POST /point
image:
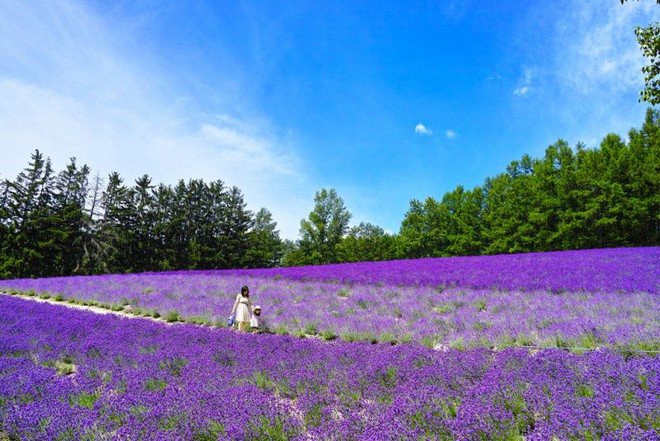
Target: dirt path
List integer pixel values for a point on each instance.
(124, 313)
(95, 309)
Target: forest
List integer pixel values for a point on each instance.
(71, 222)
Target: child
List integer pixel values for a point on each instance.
(257, 324)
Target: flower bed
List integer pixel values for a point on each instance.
(68, 374)
(458, 317)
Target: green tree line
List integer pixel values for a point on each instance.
(568, 199)
(65, 223)
(55, 224)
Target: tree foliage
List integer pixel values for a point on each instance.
(568, 199)
(324, 228)
(649, 42)
(58, 224)
(365, 243)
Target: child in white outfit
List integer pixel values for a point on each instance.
(257, 324)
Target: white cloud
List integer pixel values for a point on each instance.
(521, 91)
(421, 129)
(593, 69)
(450, 134)
(525, 82)
(68, 89)
(602, 50)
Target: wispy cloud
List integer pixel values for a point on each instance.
(69, 88)
(594, 66)
(521, 91)
(525, 82)
(450, 134)
(602, 51)
(421, 129)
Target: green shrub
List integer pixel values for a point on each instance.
(480, 305)
(173, 316)
(328, 334)
(311, 328)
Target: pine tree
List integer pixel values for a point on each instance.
(29, 218)
(265, 246)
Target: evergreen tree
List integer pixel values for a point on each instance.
(265, 245)
(28, 243)
(71, 187)
(235, 231)
(642, 215)
(420, 236)
(97, 244)
(117, 223)
(142, 245)
(164, 254)
(5, 230)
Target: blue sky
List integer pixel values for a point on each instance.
(385, 101)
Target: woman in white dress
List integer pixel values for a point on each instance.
(242, 308)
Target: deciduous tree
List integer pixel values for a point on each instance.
(324, 228)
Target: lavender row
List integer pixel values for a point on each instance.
(67, 374)
(612, 270)
(628, 270)
(454, 317)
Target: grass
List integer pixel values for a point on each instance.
(173, 316)
(480, 305)
(84, 399)
(155, 384)
(328, 334)
(311, 328)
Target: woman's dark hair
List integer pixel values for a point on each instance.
(245, 291)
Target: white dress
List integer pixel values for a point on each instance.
(243, 309)
(255, 322)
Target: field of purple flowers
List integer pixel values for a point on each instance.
(584, 299)
(68, 374)
(614, 269)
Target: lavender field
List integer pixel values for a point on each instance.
(579, 299)
(67, 374)
(614, 269)
(472, 369)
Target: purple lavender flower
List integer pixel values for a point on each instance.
(71, 374)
